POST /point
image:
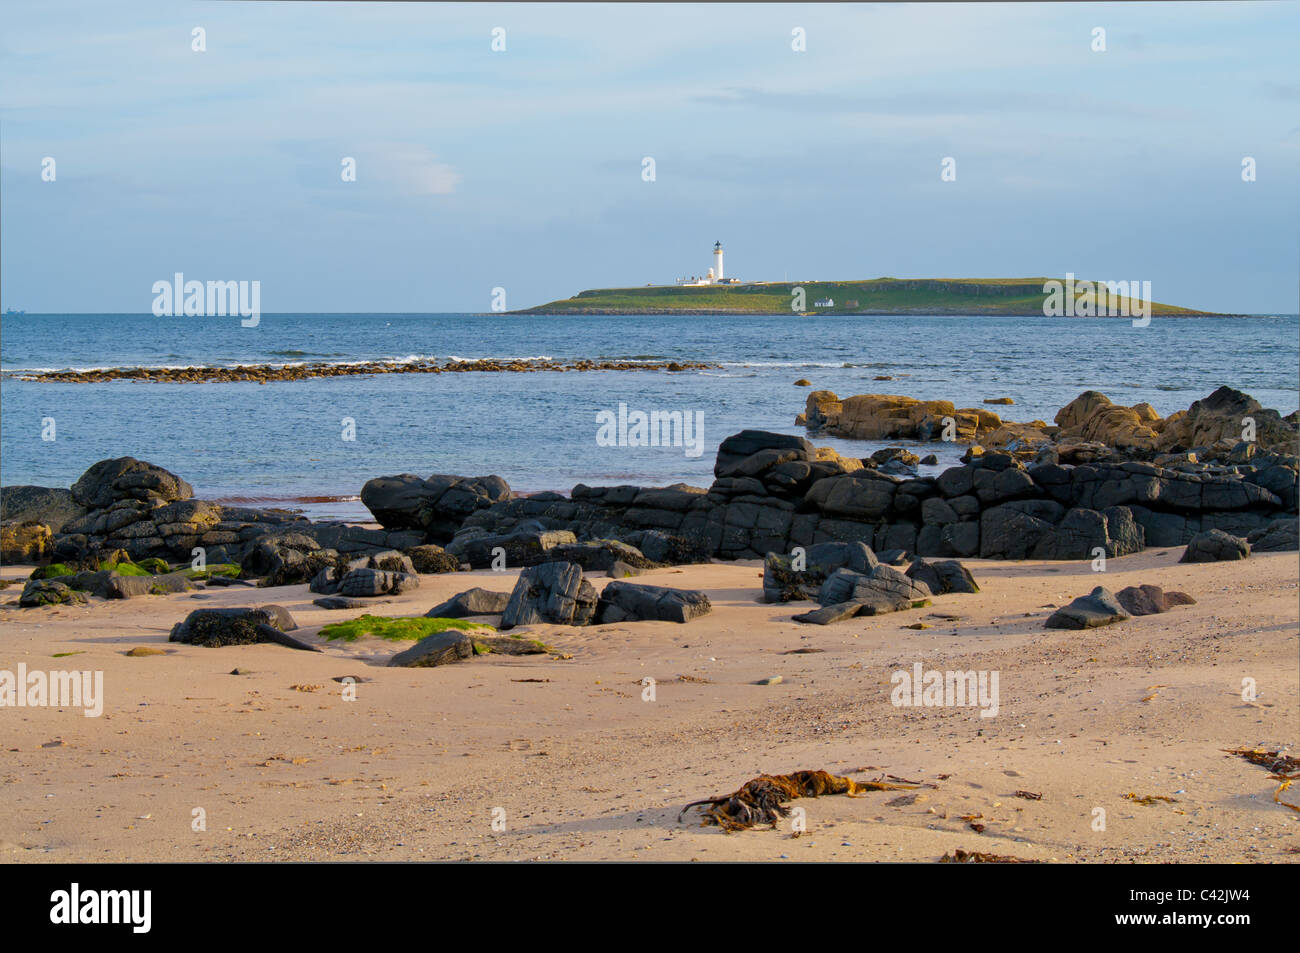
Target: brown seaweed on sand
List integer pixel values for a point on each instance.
(960, 856)
(763, 800)
(1280, 767)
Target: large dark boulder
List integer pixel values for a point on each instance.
(53, 506)
(736, 449)
(1215, 546)
(1099, 607)
(437, 506)
(1279, 536)
(943, 576)
(554, 593)
(476, 601)
(125, 478)
(632, 602)
(214, 628)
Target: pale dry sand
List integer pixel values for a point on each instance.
(585, 769)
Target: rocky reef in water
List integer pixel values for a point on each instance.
(1225, 422)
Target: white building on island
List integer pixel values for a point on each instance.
(714, 275)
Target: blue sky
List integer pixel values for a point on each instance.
(522, 169)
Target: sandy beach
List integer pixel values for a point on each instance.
(284, 768)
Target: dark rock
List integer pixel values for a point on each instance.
(391, 561)
(943, 576)
(376, 582)
(828, 614)
(108, 584)
(48, 592)
(554, 593)
(845, 585)
(430, 559)
(438, 505)
(1278, 536)
(441, 648)
(1215, 546)
(734, 450)
(1149, 600)
(783, 583)
(596, 555)
(521, 549)
(471, 602)
(893, 557)
(52, 506)
(633, 602)
(341, 602)
(109, 481)
(213, 628)
(1100, 607)
(1005, 533)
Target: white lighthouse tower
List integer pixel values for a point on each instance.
(717, 261)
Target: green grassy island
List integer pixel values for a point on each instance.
(932, 296)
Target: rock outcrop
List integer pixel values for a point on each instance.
(771, 493)
(50, 505)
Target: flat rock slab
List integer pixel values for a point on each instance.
(344, 602)
(442, 648)
(1099, 607)
(828, 614)
(476, 601)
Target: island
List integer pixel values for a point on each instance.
(883, 296)
(713, 293)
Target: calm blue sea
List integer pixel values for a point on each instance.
(282, 442)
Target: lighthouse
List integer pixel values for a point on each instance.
(717, 261)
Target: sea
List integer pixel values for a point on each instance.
(286, 443)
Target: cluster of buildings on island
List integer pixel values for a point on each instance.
(716, 276)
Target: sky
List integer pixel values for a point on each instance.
(522, 168)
